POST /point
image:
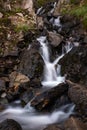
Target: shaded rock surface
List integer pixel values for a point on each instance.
(78, 95)
(10, 124)
(74, 65)
(33, 66)
(48, 98)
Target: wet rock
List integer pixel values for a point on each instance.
(63, 100)
(53, 127)
(74, 124)
(78, 95)
(47, 98)
(74, 65)
(27, 96)
(33, 66)
(55, 39)
(10, 124)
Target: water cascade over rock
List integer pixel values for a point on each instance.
(44, 73)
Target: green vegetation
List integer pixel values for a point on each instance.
(79, 10)
(25, 28)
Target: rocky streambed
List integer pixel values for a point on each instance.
(43, 76)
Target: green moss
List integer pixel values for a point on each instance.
(79, 11)
(24, 28)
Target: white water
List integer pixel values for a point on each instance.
(30, 120)
(52, 75)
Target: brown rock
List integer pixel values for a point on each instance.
(75, 124)
(16, 79)
(40, 22)
(52, 127)
(55, 39)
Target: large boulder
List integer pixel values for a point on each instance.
(18, 83)
(78, 95)
(54, 38)
(74, 65)
(48, 98)
(10, 124)
(32, 63)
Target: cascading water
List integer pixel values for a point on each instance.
(32, 120)
(52, 75)
(28, 117)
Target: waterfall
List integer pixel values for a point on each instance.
(28, 117)
(52, 75)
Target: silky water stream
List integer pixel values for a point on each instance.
(28, 117)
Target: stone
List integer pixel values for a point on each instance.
(10, 124)
(78, 94)
(1, 15)
(55, 39)
(33, 66)
(16, 79)
(40, 23)
(53, 127)
(74, 124)
(48, 98)
(74, 65)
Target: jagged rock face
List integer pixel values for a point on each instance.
(74, 65)
(10, 124)
(33, 66)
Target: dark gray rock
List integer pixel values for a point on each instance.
(78, 95)
(74, 65)
(31, 63)
(10, 124)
